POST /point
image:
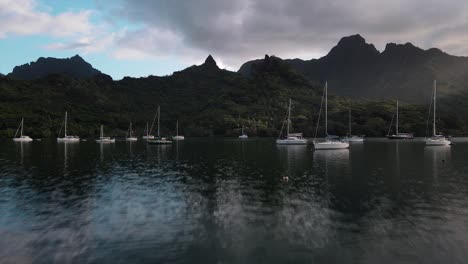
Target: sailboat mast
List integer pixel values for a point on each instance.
(397, 117)
(289, 117)
(65, 124)
(159, 114)
(177, 128)
(22, 125)
(435, 97)
(349, 121)
(147, 129)
(326, 108)
(242, 129)
(102, 131)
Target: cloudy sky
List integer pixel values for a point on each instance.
(139, 38)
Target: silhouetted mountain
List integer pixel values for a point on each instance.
(74, 67)
(357, 69)
(205, 99)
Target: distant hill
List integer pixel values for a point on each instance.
(205, 99)
(357, 69)
(74, 67)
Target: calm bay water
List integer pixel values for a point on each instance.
(229, 201)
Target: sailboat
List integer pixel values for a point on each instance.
(398, 135)
(351, 137)
(291, 138)
(129, 136)
(21, 137)
(159, 140)
(436, 140)
(149, 130)
(103, 139)
(67, 138)
(177, 136)
(243, 135)
(331, 142)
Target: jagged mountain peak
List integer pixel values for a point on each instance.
(209, 61)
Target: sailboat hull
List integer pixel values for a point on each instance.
(355, 139)
(23, 139)
(401, 136)
(159, 141)
(331, 145)
(291, 141)
(68, 139)
(131, 139)
(438, 142)
(178, 138)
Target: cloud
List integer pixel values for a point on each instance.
(23, 17)
(245, 29)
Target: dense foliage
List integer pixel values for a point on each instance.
(205, 99)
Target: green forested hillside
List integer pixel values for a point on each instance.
(205, 99)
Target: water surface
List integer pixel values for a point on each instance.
(230, 201)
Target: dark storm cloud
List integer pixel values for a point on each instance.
(244, 29)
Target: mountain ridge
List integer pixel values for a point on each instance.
(75, 67)
(358, 70)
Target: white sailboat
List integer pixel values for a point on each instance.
(243, 135)
(177, 136)
(149, 130)
(129, 136)
(291, 138)
(397, 134)
(353, 138)
(67, 138)
(103, 139)
(436, 140)
(159, 140)
(21, 137)
(331, 142)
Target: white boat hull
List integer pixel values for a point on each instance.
(243, 137)
(23, 139)
(131, 139)
(438, 142)
(148, 137)
(331, 145)
(355, 139)
(107, 140)
(178, 138)
(291, 141)
(159, 141)
(68, 139)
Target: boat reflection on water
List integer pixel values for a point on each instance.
(436, 158)
(24, 150)
(293, 160)
(68, 149)
(333, 159)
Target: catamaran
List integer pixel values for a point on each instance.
(291, 138)
(177, 136)
(103, 139)
(351, 137)
(67, 138)
(243, 135)
(149, 130)
(129, 136)
(159, 140)
(331, 142)
(21, 137)
(436, 140)
(397, 134)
